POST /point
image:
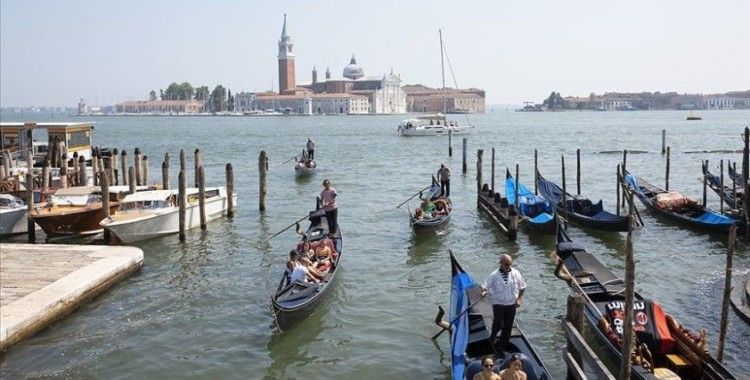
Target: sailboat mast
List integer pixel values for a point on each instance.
(442, 70)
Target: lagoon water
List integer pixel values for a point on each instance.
(201, 308)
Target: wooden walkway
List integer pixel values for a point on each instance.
(41, 283)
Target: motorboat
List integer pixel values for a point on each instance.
(431, 125)
(150, 214)
(12, 215)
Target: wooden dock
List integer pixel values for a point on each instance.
(41, 283)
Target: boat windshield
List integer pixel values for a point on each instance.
(75, 200)
(8, 202)
(143, 205)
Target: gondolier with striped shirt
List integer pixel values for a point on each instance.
(330, 205)
(505, 286)
(444, 176)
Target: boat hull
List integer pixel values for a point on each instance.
(302, 170)
(13, 221)
(615, 225)
(167, 222)
(76, 221)
(430, 225)
(433, 130)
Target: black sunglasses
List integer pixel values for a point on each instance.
(489, 365)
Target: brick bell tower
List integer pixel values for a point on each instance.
(287, 82)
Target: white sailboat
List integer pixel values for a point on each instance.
(437, 124)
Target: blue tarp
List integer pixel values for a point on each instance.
(530, 205)
(461, 282)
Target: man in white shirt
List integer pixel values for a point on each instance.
(505, 287)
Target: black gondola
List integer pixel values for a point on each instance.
(688, 212)
(581, 211)
(663, 347)
(736, 177)
(471, 319)
(437, 219)
(731, 198)
(293, 302)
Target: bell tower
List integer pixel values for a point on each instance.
(287, 82)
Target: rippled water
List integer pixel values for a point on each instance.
(201, 308)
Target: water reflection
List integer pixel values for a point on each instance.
(423, 246)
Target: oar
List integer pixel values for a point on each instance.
(285, 228)
(459, 316)
(293, 158)
(410, 198)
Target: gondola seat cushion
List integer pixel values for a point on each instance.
(472, 369)
(568, 247)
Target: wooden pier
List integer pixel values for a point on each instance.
(40, 284)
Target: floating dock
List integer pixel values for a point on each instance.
(41, 283)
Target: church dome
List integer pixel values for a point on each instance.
(352, 70)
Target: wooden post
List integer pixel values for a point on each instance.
(262, 169)
(144, 161)
(138, 157)
(198, 163)
(165, 172)
(493, 168)
(230, 190)
(663, 141)
(666, 175)
(113, 168)
(734, 186)
(82, 171)
(627, 346)
(95, 169)
(104, 181)
(564, 191)
(131, 180)
(75, 181)
(480, 153)
(463, 165)
(721, 181)
(30, 205)
(578, 171)
(124, 167)
(618, 188)
(704, 167)
(450, 143)
(183, 160)
(745, 187)
(727, 291)
(576, 317)
(64, 170)
(536, 170)
(45, 176)
(182, 200)
(202, 196)
(5, 168)
(515, 190)
(624, 167)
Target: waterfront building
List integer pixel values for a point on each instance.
(728, 101)
(243, 101)
(421, 98)
(160, 106)
(287, 82)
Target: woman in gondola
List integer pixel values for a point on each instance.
(488, 370)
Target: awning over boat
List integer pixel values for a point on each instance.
(152, 195)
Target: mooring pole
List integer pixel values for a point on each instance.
(704, 167)
(721, 180)
(230, 190)
(627, 347)
(113, 167)
(564, 191)
(144, 161)
(138, 166)
(202, 195)
(624, 168)
(666, 175)
(493, 168)
(262, 170)
(165, 172)
(463, 165)
(578, 171)
(45, 176)
(515, 189)
(198, 163)
(30, 206)
(536, 170)
(480, 152)
(734, 186)
(131, 180)
(183, 160)
(182, 200)
(745, 187)
(104, 181)
(124, 167)
(450, 143)
(663, 141)
(95, 169)
(618, 189)
(727, 290)
(82, 171)
(64, 171)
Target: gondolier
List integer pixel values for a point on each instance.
(505, 286)
(444, 176)
(330, 205)
(311, 148)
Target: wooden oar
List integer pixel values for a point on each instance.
(411, 197)
(285, 228)
(457, 317)
(293, 158)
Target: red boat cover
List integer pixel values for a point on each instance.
(649, 324)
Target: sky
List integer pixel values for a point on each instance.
(54, 52)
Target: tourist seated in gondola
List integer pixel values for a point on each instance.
(440, 208)
(488, 370)
(312, 274)
(323, 259)
(291, 263)
(428, 207)
(418, 214)
(301, 273)
(305, 248)
(514, 370)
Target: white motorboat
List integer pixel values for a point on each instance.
(12, 215)
(151, 214)
(431, 125)
(303, 168)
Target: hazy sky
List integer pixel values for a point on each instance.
(53, 52)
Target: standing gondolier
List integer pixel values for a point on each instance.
(505, 286)
(311, 148)
(444, 176)
(330, 205)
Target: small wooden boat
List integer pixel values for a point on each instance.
(676, 207)
(664, 348)
(76, 210)
(155, 213)
(736, 177)
(536, 212)
(504, 215)
(470, 326)
(305, 168)
(692, 117)
(436, 219)
(295, 301)
(581, 211)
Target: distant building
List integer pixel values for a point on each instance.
(421, 98)
(286, 63)
(243, 101)
(728, 101)
(160, 106)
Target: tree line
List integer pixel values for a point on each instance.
(218, 100)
